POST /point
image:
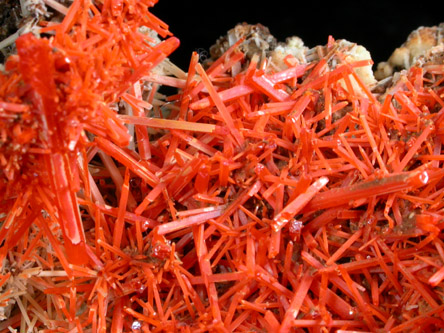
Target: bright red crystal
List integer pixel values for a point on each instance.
(256, 199)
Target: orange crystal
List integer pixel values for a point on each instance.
(264, 199)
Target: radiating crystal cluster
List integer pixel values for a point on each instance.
(280, 190)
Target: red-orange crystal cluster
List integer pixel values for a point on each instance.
(263, 200)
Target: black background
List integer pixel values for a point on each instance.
(379, 26)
